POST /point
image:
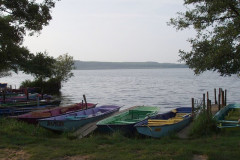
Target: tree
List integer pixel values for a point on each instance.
(16, 18)
(41, 66)
(50, 78)
(62, 68)
(216, 45)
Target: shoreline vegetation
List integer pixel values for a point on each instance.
(94, 65)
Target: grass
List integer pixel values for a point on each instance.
(37, 143)
(204, 125)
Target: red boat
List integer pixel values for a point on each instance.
(33, 117)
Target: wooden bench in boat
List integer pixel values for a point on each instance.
(123, 122)
(159, 122)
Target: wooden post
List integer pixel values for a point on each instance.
(207, 96)
(207, 106)
(210, 107)
(204, 104)
(193, 107)
(219, 105)
(85, 100)
(215, 95)
(225, 97)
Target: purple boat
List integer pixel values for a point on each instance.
(33, 117)
(75, 120)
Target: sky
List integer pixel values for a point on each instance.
(113, 31)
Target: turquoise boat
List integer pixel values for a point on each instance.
(75, 120)
(163, 124)
(125, 121)
(228, 117)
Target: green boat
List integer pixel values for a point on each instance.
(125, 121)
(228, 116)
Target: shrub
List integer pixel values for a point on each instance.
(203, 125)
(51, 86)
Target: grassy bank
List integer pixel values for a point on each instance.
(24, 141)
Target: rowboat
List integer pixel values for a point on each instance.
(125, 121)
(162, 124)
(32, 103)
(228, 116)
(14, 111)
(22, 97)
(73, 121)
(33, 117)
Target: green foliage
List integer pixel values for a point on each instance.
(16, 18)
(216, 45)
(62, 68)
(5, 72)
(203, 125)
(41, 66)
(51, 86)
(50, 77)
(14, 127)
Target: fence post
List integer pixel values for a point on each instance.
(207, 106)
(215, 94)
(210, 107)
(85, 100)
(193, 107)
(225, 97)
(219, 107)
(204, 104)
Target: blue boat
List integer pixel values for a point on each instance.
(75, 120)
(163, 124)
(228, 117)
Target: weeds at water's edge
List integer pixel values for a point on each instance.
(203, 125)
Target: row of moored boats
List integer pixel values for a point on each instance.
(146, 120)
(43, 110)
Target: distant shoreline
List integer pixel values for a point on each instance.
(94, 65)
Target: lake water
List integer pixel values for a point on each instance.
(166, 88)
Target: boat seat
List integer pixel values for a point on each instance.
(76, 117)
(124, 122)
(181, 114)
(159, 122)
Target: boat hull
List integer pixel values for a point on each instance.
(68, 125)
(158, 131)
(13, 111)
(124, 128)
(225, 123)
(33, 117)
(125, 121)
